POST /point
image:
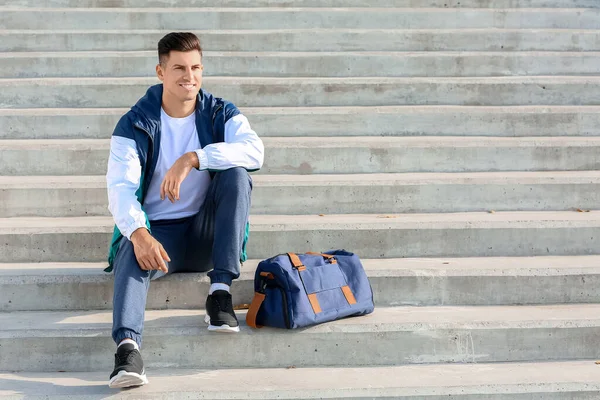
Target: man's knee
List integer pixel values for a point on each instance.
(235, 179)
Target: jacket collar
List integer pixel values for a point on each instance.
(147, 109)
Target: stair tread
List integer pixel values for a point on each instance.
(339, 221)
(431, 267)
(308, 383)
(22, 324)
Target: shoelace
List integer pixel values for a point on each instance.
(227, 305)
(125, 358)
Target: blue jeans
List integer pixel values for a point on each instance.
(210, 240)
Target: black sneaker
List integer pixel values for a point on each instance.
(220, 316)
(129, 368)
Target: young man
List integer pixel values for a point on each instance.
(179, 192)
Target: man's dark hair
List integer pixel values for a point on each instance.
(177, 41)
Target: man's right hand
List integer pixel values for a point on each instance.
(149, 252)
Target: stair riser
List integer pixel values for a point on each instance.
(539, 239)
(316, 65)
(437, 121)
(293, 19)
(311, 3)
(307, 199)
(331, 40)
(325, 160)
(191, 348)
(423, 289)
(295, 93)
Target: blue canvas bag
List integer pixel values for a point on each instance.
(298, 290)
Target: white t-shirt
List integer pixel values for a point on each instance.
(178, 136)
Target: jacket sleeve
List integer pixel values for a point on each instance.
(123, 180)
(242, 148)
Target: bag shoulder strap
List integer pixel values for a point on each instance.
(257, 301)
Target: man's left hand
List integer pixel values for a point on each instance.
(176, 174)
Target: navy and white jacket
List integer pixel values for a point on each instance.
(226, 141)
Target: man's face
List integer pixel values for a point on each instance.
(181, 74)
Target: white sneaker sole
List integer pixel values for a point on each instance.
(222, 328)
(126, 379)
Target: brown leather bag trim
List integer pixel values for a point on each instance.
(257, 301)
(295, 260)
(314, 303)
(349, 295)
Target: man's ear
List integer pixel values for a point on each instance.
(159, 72)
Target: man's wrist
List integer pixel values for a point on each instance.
(192, 159)
(139, 234)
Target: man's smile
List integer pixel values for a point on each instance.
(188, 86)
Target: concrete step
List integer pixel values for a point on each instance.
(310, 155)
(296, 18)
(308, 64)
(85, 239)
(72, 196)
(396, 281)
(294, 92)
(573, 380)
(484, 39)
(80, 341)
(75, 123)
(307, 3)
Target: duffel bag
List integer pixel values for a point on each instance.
(298, 290)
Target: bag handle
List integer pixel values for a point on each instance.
(295, 260)
(327, 257)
